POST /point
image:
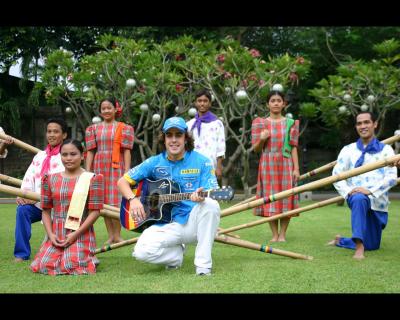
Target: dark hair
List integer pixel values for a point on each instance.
(204, 92)
(109, 99)
(274, 93)
(76, 143)
(372, 115)
(61, 122)
(189, 141)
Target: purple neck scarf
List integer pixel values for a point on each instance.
(374, 146)
(206, 118)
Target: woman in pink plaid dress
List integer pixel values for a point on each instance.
(102, 148)
(279, 165)
(65, 251)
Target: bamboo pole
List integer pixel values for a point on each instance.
(323, 168)
(18, 183)
(244, 201)
(312, 185)
(222, 239)
(228, 233)
(260, 247)
(30, 148)
(107, 211)
(21, 144)
(36, 196)
(10, 180)
(283, 215)
(109, 247)
(287, 214)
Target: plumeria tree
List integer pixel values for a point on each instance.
(358, 86)
(239, 80)
(154, 81)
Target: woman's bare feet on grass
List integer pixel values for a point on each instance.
(118, 240)
(281, 239)
(108, 242)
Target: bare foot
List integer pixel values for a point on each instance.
(109, 241)
(281, 239)
(359, 254)
(274, 239)
(18, 260)
(118, 240)
(335, 241)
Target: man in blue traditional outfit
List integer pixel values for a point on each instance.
(366, 194)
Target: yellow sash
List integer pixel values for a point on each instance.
(78, 201)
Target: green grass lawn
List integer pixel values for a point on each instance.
(235, 270)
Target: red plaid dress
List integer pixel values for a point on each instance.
(79, 257)
(274, 170)
(100, 137)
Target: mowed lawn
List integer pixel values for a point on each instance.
(235, 270)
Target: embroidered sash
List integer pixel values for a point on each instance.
(78, 201)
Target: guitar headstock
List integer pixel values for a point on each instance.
(223, 193)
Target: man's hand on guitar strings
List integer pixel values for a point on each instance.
(195, 196)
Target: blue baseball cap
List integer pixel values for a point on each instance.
(175, 122)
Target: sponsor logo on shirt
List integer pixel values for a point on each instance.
(190, 171)
(162, 171)
(188, 185)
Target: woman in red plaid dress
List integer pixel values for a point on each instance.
(100, 146)
(276, 172)
(65, 251)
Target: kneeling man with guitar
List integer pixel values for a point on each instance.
(193, 220)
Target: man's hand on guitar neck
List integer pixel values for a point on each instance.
(136, 210)
(195, 196)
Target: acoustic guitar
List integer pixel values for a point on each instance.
(158, 198)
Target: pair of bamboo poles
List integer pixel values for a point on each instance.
(113, 212)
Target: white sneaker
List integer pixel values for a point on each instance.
(203, 271)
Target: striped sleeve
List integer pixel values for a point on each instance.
(96, 193)
(257, 126)
(127, 137)
(46, 197)
(90, 138)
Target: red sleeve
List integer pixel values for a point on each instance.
(257, 126)
(46, 197)
(90, 138)
(127, 137)
(96, 193)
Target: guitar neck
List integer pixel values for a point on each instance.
(174, 197)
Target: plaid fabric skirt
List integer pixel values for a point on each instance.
(76, 259)
(275, 175)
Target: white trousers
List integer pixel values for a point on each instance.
(163, 244)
